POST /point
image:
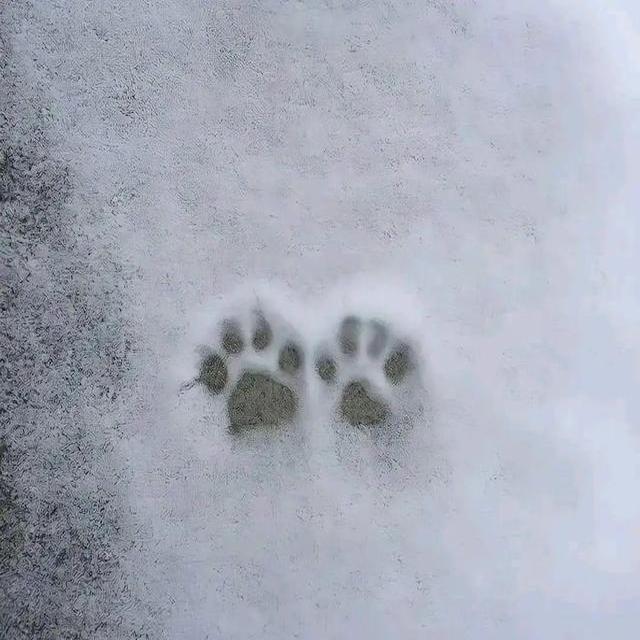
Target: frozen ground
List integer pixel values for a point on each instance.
(465, 171)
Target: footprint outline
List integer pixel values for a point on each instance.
(258, 369)
(365, 366)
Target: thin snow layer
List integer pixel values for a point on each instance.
(464, 170)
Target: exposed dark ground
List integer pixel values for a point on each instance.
(63, 358)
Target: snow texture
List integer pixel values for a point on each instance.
(462, 173)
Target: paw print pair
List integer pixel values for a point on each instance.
(261, 366)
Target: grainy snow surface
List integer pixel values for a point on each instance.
(466, 171)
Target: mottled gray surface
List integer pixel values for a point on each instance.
(64, 351)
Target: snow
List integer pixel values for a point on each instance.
(465, 169)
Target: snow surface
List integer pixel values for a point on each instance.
(469, 168)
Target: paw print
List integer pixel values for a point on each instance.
(257, 364)
(367, 363)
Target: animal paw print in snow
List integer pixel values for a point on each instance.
(258, 366)
(368, 363)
